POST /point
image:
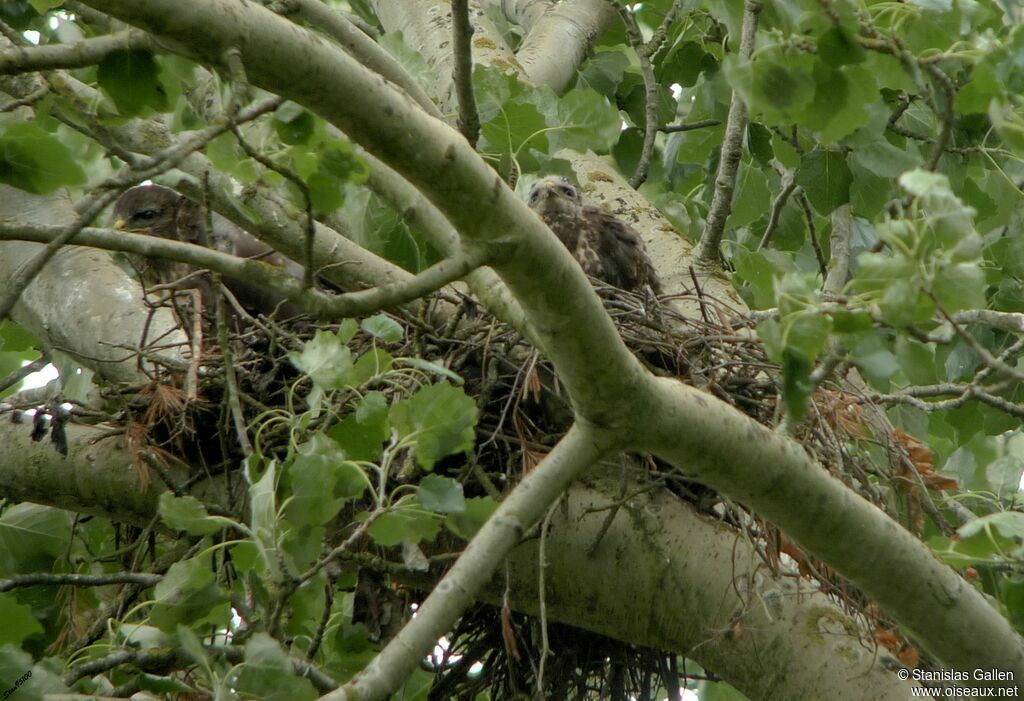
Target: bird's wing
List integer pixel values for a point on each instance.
(622, 250)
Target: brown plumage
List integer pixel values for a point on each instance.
(161, 211)
(605, 247)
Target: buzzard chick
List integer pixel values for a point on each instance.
(161, 211)
(605, 247)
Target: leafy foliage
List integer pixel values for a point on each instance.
(904, 117)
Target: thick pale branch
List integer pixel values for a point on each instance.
(732, 148)
(775, 477)
(426, 27)
(561, 38)
(528, 502)
(522, 12)
(100, 311)
(74, 55)
(280, 57)
(317, 303)
(318, 15)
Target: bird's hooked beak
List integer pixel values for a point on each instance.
(547, 187)
(121, 225)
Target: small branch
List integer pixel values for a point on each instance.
(839, 252)
(996, 364)
(230, 379)
(524, 506)
(1005, 321)
(78, 580)
(788, 185)
(317, 302)
(308, 275)
(636, 40)
(462, 44)
(74, 55)
(708, 253)
(945, 110)
(24, 371)
(155, 659)
(692, 126)
(357, 38)
(812, 231)
(108, 191)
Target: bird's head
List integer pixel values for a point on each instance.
(148, 208)
(554, 195)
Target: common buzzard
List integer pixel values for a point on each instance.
(161, 211)
(605, 247)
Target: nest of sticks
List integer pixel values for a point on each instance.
(522, 414)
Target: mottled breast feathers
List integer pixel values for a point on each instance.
(606, 247)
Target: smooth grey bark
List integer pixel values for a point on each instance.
(426, 27)
(610, 392)
(82, 302)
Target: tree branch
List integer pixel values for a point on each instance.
(839, 252)
(462, 42)
(316, 302)
(78, 580)
(708, 253)
(524, 506)
(561, 39)
(332, 22)
(78, 54)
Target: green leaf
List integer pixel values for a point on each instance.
(32, 537)
(1003, 475)
(131, 78)
(268, 673)
(518, 127)
(796, 383)
(752, 198)
(825, 178)
(778, 83)
(1009, 524)
(883, 159)
(441, 494)
(759, 141)
(682, 65)
(188, 594)
(438, 420)
(584, 120)
(466, 523)
(321, 481)
(408, 522)
(189, 515)
(427, 366)
(325, 358)
(603, 72)
(338, 158)
(36, 161)
(838, 47)
(960, 286)
(412, 61)
(293, 123)
(361, 434)
(19, 623)
(326, 192)
(384, 327)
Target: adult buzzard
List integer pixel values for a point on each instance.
(606, 247)
(161, 211)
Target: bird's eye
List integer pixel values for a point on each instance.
(147, 214)
(534, 196)
(568, 191)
